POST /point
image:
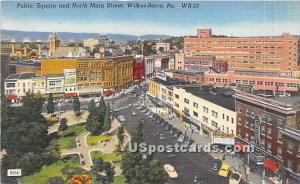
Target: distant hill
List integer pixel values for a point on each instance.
(7, 35)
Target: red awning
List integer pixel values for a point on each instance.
(269, 164)
(239, 145)
(12, 97)
(69, 94)
(108, 92)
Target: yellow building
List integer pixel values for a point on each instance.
(57, 65)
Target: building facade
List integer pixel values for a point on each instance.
(138, 67)
(149, 67)
(272, 126)
(264, 54)
(198, 63)
(179, 61)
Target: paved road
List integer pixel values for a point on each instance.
(187, 165)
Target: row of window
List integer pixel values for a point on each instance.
(239, 42)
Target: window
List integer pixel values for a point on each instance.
(223, 116)
(176, 96)
(279, 136)
(186, 101)
(269, 147)
(205, 109)
(227, 118)
(186, 109)
(252, 126)
(259, 82)
(279, 152)
(232, 120)
(204, 119)
(195, 114)
(247, 113)
(262, 143)
(214, 124)
(290, 147)
(247, 136)
(214, 114)
(290, 164)
(252, 139)
(252, 114)
(247, 124)
(269, 132)
(262, 129)
(195, 105)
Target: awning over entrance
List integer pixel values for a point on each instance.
(70, 94)
(108, 92)
(271, 165)
(12, 97)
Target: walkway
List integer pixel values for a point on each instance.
(107, 148)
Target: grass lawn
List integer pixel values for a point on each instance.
(52, 170)
(93, 140)
(107, 157)
(67, 139)
(119, 180)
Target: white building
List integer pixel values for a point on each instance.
(149, 67)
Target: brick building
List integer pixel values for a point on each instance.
(138, 68)
(267, 54)
(273, 127)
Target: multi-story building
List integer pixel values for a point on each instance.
(39, 85)
(57, 65)
(162, 47)
(17, 86)
(179, 61)
(161, 62)
(261, 54)
(111, 73)
(55, 83)
(149, 67)
(206, 109)
(90, 43)
(198, 63)
(138, 67)
(273, 127)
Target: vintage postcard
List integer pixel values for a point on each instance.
(150, 92)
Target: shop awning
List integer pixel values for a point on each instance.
(271, 165)
(12, 97)
(70, 94)
(108, 92)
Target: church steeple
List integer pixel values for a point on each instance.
(53, 41)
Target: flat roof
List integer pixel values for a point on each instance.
(219, 96)
(170, 81)
(20, 76)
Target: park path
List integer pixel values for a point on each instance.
(109, 147)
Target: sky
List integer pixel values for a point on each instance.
(236, 18)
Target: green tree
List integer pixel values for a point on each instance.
(107, 120)
(103, 171)
(63, 125)
(93, 123)
(51, 152)
(102, 109)
(76, 106)
(138, 134)
(50, 104)
(121, 137)
(29, 163)
(92, 105)
(156, 173)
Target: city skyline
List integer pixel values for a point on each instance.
(228, 18)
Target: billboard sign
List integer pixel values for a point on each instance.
(70, 77)
(257, 122)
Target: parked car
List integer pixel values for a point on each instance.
(215, 165)
(235, 178)
(121, 118)
(224, 171)
(170, 171)
(133, 113)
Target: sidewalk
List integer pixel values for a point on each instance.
(236, 163)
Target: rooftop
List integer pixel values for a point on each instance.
(20, 76)
(169, 81)
(188, 72)
(220, 96)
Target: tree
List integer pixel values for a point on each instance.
(121, 137)
(80, 179)
(103, 171)
(107, 120)
(63, 125)
(50, 104)
(76, 106)
(156, 174)
(138, 134)
(92, 105)
(29, 163)
(102, 109)
(52, 152)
